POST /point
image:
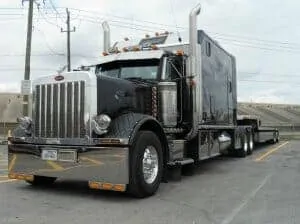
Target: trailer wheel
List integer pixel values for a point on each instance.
(250, 144)
(275, 139)
(146, 165)
(42, 181)
(243, 151)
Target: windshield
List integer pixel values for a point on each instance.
(126, 70)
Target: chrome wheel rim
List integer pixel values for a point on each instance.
(251, 143)
(150, 164)
(245, 146)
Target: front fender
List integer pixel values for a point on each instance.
(124, 125)
(128, 125)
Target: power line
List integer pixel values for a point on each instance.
(271, 74)
(48, 45)
(185, 28)
(181, 27)
(11, 14)
(22, 69)
(260, 45)
(253, 43)
(261, 48)
(124, 18)
(269, 81)
(127, 25)
(47, 21)
(54, 8)
(116, 25)
(256, 39)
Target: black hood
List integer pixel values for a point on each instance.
(116, 96)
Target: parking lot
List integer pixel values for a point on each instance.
(261, 188)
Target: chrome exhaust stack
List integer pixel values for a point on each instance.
(195, 71)
(106, 36)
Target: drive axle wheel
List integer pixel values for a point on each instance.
(250, 144)
(146, 165)
(243, 151)
(42, 181)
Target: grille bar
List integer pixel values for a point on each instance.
(59, 110)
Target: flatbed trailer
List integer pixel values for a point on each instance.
(143, 112)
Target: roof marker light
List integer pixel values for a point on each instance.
(136, 48)
(154, 47)
(179, 52)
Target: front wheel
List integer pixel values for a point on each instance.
(146, 164)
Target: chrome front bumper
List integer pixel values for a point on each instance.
(94, 164)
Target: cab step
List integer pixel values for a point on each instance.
(181, 162)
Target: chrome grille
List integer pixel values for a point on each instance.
(59, 110)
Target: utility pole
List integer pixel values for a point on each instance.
(28, 54)
(68, 31)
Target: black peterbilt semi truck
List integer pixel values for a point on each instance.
(123, 124)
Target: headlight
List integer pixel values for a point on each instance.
(101, 123)
(25, 124)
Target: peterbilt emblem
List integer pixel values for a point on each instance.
(59, 78)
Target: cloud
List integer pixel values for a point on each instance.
(10, 88)
(227, 21)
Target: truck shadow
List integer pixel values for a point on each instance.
(79, 189)
(217, 165)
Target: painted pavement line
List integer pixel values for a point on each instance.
(269, 152)
(7, 181)
(239, 208)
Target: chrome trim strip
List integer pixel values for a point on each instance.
(52, 107)
(72, 110)
(45, 111)
(65, 109)
(164, 67)
(78, 108)
(58, 110)
(40, 109)
(62, 142)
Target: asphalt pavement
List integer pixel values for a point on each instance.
(261, 188)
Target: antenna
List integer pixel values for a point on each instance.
(173, 14)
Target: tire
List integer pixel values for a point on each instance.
(243, 151)
(274, 141)
(42, 181)
(277, 137)
(142, 185)
(250, 143)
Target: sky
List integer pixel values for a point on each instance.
(264, 36)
